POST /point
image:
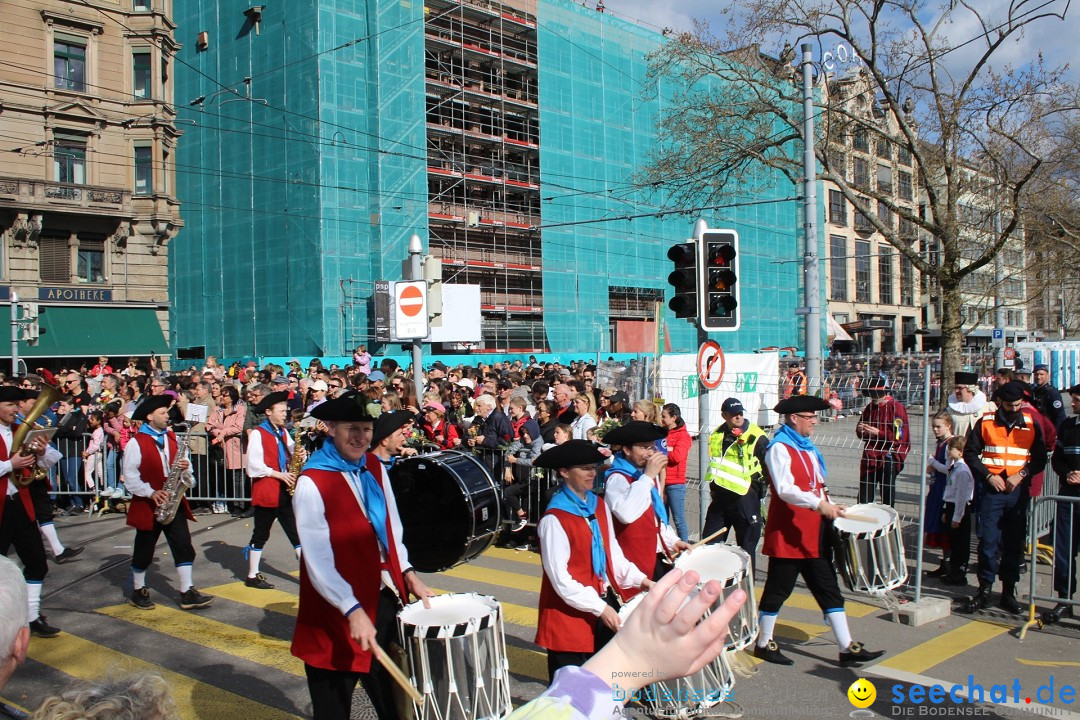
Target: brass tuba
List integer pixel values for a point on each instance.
(49, 394)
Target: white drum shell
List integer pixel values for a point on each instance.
(870, 554)
(730, 566)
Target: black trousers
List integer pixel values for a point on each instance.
(743, 512)
(959, 539)
(332, 690)
(818, 573)
(264, 520)
(16, 528)
(883, 476)
(43, 506)
(176, 534)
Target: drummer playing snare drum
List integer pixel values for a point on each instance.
(796, 533)
(584, 567)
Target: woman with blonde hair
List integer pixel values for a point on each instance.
(585, 407)
(645, 410)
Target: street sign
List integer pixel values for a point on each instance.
(998, 339)
(382, 311)
(1010, 353)
(710, 364)
(410, 310)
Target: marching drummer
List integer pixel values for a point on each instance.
(797, 538)
(634, 493)
(585, 572)
(355, 572)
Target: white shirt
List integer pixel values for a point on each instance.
(318, 554)
(256, 466)
(133, 458)
(49, 459)
(581, 426)
(628, 500)
(960, 488)
(778, 460)
(555, 555)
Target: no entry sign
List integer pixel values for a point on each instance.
(410, 310)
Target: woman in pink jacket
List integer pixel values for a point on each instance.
(678, 450)
(226, 426)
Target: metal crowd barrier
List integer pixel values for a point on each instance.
(1066, 511)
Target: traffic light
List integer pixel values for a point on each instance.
(719, 267)
(684, 280)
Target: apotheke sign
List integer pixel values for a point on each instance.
(75, 294)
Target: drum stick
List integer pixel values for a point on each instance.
(395, 672)
(699, 543)
(859, 518)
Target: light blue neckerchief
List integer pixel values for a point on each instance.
(328, 458)
(787, 436)
(567, 501)
(268, 426)
(623, 466)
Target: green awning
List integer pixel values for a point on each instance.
(91, 331)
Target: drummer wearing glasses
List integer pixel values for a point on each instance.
(797, 539)
(585, 572)
(355, 574)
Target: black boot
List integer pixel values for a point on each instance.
(1061, 610)
(939, 573)
(1008, 601)
(979, 601)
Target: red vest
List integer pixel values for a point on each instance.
(140, 514)
(561, 628)
(23, 493)
(638, 539)
(265, 491)
(795, 532)
(321, 638)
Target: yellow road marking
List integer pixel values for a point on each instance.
(530, 663)
(795, 630)
(806, 601)
(262, 649)
(945, 646)
(194, 700)
(278, 601)
(1048, 663)
(516, 614)
(522, 556)
(488, 576)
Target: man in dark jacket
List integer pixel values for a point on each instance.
(883, 426)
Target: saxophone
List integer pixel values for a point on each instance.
(176, 484)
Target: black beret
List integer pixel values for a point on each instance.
(151, 404)
(10, 393)
(388, 423)
(1010, 392)
(801, 403)
(271, 400)
(571, 453)
(634, 432)
(342, 409)
(966, 378)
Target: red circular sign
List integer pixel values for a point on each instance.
(411, 301)
(1010, 353)
(710, 364)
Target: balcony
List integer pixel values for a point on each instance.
(27, 194)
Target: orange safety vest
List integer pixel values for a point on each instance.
(1006, 452)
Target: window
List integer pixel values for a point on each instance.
(907, 282)
(54, 259)
(885, 277)
(903, 156)
(903, 185)
(862, 271)
(69, 64)
(861, 176)
(140, 74)
(881, 149)
(860, 141)
(884, 214)
(144, 170)
(91, 261)
(862, 223)
(165, 170)
(69, 159)
(164, 74)
(838, 267)
(837, 208)
(141, 5)
(907, 229)
(884, 179)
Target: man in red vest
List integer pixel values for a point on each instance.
(585, 571)
(269, 454)
(148, 458)
(635, 496)
(883, 427)
(356, 573)
(798, 532)
(18, 524)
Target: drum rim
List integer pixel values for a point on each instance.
(890, 526)
(469, 627)
(723, 547)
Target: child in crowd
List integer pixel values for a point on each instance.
(937, 465)
(957, 513)
(94, 452)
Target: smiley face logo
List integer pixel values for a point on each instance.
(862, 693)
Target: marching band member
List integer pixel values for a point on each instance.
(148, 460)
(797, 533)
(269, 455)
(18, 524)
(391, 431)
(584, 567)
(355, 572)
(634, 495)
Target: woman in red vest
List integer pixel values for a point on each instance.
(585, 571)
(356, 573)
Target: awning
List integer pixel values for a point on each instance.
(836, 333)
(91, 331)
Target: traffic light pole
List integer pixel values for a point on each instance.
(703, 408)
(811, 277)
(14, 333)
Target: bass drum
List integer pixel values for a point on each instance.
(450, 508)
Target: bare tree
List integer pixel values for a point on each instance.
(934, 90)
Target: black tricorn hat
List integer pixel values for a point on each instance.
(571, 453)
(388, 423)
(149, 405)
(270, 401)
(342, 409)
(634, 432)
(801, 403)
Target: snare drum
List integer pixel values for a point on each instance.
(457, 657)
(870, 553)
(731, 567)
(684, 697)
(449, 506)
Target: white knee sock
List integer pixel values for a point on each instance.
(33, 597)
(184, 573)
(766, 623)
(254, 558)
(138, 579)
(297, 551)
(838, 620)
(48, 531)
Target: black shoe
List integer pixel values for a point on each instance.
(519, 524)
(141, 599)
(979, 601)
(192, 599)
(68, 555)
(259, 582)
(771, 654)
(1023, 567)
(939, 573)
(249, 513)
(955, 580)
(1008, 601)
(42, 629)
(856, 655)
(1061, 610)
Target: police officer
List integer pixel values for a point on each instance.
(736, 477)
(1066, 461)
(1047, 398)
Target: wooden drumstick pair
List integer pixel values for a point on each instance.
(703, 541)
(395, 672)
